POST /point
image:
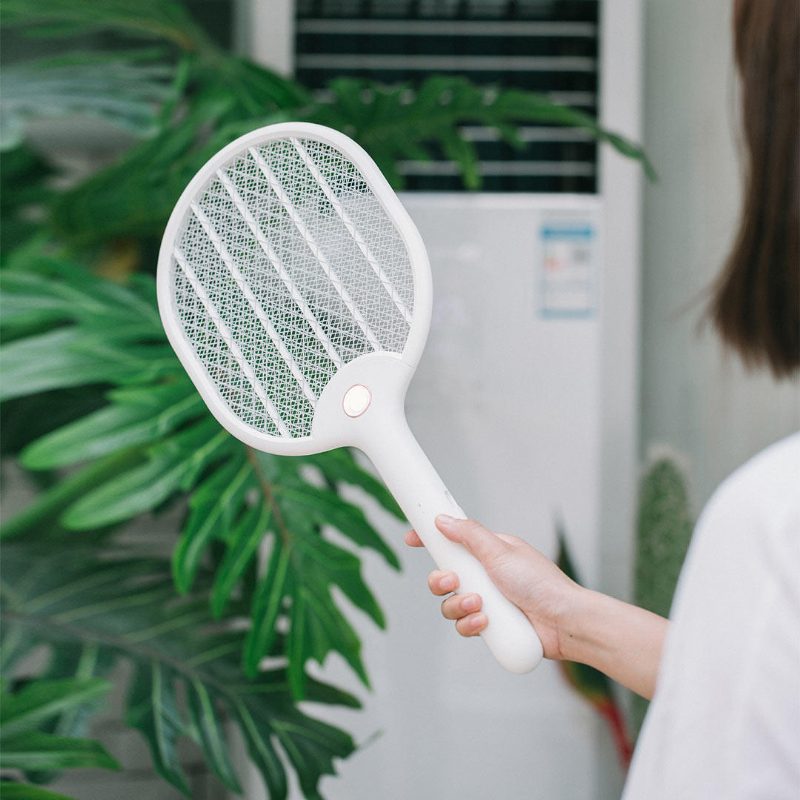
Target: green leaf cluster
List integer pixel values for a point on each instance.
(207, 97)
(97, 609)
(24, 743)
(153, 441)
(253, 543)
(127, 90)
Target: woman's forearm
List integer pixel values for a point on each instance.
(621, 640)
(573, 623)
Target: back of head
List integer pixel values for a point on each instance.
(756, 302)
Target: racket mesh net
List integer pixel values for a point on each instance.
(287, 268)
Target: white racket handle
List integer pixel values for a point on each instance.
(420, 493)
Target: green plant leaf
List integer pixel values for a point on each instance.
(205, 719)
(186, 676)
(31, 737)
(136, 195)
(153, 709)
(172, 465)
(258, 738)
(663, 532)
(116, 426)
(125, 88)
(51, 360)
(49, 505)
(214, 505)
(591, 684)
(42, 752)
(41, 288)
(340, 467)
(149, 19)
(43, 699)
(326, 508)
(317, 624)
(243, 541)
(266, 608)
(400, 121)
(24, 184)
(235, 497)
(26, 791)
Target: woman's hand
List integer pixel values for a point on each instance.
(573, 623)
(525, 576)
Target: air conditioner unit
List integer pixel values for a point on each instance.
(526, 402)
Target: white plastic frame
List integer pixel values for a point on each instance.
(418, 256)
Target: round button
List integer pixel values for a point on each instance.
(356, 400)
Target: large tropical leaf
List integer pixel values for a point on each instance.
(22, 188)
(400, 122)
(392, 123)
(135, 195)
(148, 19)
(94, 610)
(29, 743)
(154, 442)
(126, 89)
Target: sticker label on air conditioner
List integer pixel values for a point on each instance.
(567, 267)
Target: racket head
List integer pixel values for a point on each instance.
(199, 256)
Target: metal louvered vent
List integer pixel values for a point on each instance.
(548, 46)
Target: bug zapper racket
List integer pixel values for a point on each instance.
(296, 292)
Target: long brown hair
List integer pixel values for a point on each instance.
(756, 302)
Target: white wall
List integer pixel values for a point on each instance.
(694, 397)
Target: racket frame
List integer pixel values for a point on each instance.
(394, 209)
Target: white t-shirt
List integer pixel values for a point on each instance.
(725, 720)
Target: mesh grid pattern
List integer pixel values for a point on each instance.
(286, 269)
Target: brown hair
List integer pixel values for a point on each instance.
(756, 302)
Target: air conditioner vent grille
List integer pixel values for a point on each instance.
(548, 46)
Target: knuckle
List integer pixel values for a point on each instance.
(471, 625)
(433, 581)
(441, 582)
(472, 525)
(471, 602)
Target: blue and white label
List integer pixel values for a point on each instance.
(567, 268)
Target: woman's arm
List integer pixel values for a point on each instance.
(617, 638)
(573, 623)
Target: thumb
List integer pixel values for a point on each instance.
(482, 543)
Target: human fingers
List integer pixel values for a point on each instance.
(412, 539)
(461, 605)
(482, 543)
(442, 582)
(472, 624)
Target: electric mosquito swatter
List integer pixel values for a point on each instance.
(296, 292)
